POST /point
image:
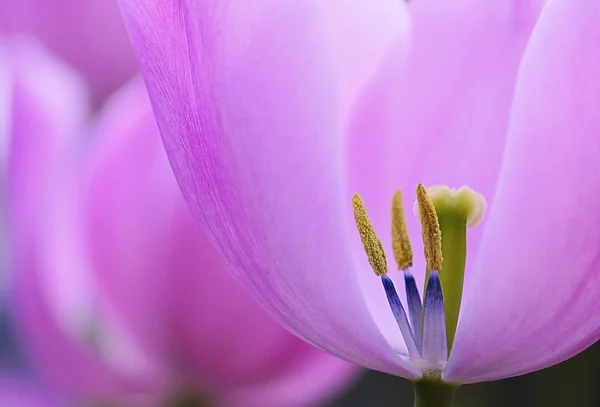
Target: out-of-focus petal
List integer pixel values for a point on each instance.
(186, 309)
(144, 240)
(72, 363)
(363, 37)
(445, 122)
(536, 282)
(229, 345)
(46, 107)
(129, 198)
(313, 379)
(89, 35)
(17, 392)
(524, 13)
(47, 112)
(5, 109)
(245, 98)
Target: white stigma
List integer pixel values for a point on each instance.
(465, 199)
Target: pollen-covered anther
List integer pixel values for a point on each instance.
(400, 241)
(432, 237)
(369, 239)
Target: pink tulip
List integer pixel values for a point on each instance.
(89, 35)
(118, 295)
(44, 113)
(274, 114)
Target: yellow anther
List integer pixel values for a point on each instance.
(370, 241)
(400, 242)
(432, 237)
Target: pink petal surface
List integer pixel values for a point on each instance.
(313, 379)
(51, 93)
(245, 354)
(444, 122)
(129, 199)
(89, 35)
(17, 392)
(250, 126)
(535, 294)
(235, 352)
(187, 309)
(45, 121)
(67, 361)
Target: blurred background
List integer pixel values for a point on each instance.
(101, 301)
(572, 383)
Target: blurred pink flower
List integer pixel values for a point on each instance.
(274, 113)
(89, 35)
(117, 294)
(18, 392)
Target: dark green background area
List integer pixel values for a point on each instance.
(574, 383)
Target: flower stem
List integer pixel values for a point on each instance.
(434, 393)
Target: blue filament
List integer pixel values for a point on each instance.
(401, 318)
(435, 349)
(415, 308)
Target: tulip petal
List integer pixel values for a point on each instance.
(228, 342)
(536, 284)
(89, 36)
(313, 379)
(5, 108)
(187, 310)
(18, 392)
(129, 201)
(47, 113)
(45, 107)
(524, 13)
(245, 98)
(457, 97)
(67, 361)
(439, 118)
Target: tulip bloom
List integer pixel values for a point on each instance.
(88, 35)
(43, 110)
(274, 114)
(119, 298)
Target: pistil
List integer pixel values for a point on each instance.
(456, 210)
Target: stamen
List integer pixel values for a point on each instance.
(432, 237)
(404, 258)
(435, 349)
(401, 319)
(370, 241)
(415, 309)
(400, 242)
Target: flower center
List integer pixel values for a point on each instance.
(444, 214)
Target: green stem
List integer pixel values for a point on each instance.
(434, 393)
